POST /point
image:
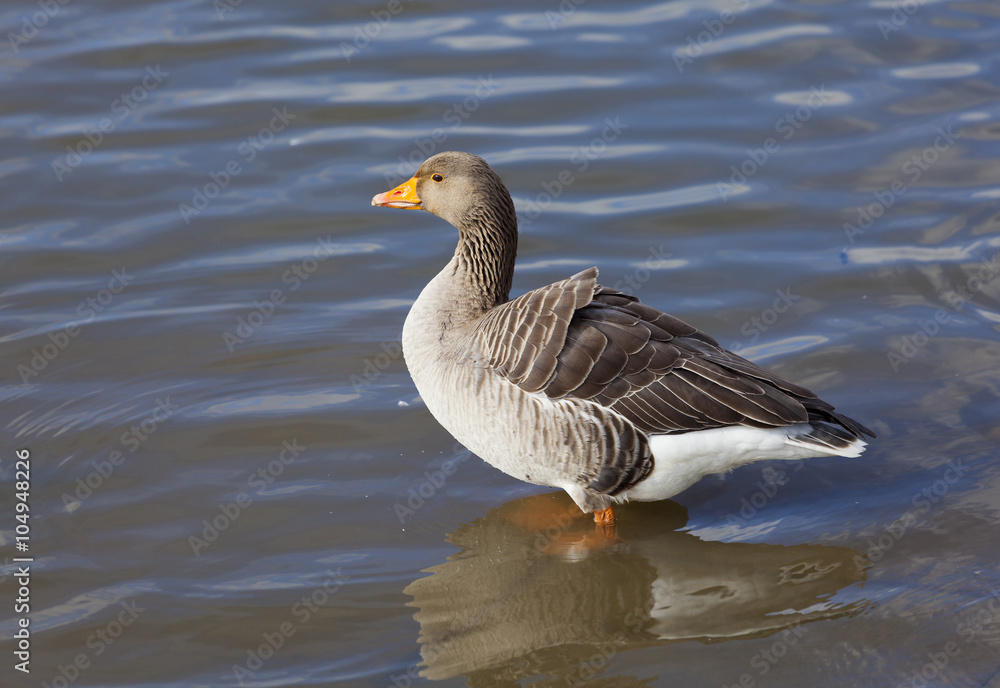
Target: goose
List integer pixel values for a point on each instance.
(579, 386)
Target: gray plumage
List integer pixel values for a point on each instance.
(571, 384)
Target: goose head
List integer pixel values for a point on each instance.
(460, 188)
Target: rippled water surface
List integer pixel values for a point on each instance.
(233, 480)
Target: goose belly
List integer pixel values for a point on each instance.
(526, 435)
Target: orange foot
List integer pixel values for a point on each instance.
(570, 540)
(605, 520)
(556, 521)
(602, 536)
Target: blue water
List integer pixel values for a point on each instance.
(233, 480)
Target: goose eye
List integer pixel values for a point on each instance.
(437, 177)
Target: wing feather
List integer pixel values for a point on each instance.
(577, 340)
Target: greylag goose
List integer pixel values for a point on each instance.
(578, 386)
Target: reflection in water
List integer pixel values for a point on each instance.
(533, 593)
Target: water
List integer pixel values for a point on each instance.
(232, 478)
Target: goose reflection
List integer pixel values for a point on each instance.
(534, 591)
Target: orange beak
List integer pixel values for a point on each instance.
(403, 196)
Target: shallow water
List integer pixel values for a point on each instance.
(233, 480)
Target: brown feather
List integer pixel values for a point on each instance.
(653, 369)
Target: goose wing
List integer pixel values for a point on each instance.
(577, 339)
